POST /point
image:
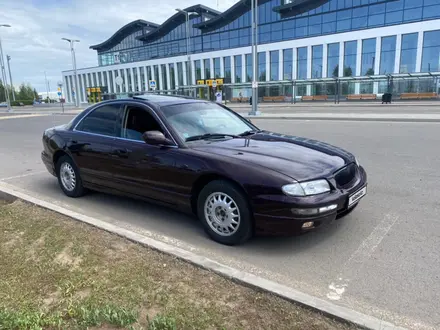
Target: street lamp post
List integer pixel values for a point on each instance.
(254, 31)
(2, 64)
(8, 58)
(72, 49)
(188, 54)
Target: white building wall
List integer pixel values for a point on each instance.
(340, 38)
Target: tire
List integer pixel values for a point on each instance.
(66, 163)
(215, 223)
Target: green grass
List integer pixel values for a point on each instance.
(56, 273)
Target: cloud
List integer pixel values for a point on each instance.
(37, 26)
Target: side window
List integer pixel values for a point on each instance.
(103, 120)
(137, 122)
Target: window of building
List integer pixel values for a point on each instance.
(262, 66)
(180, 73)
(143, 85)
(217, 71)
(248, 67)
(164, 84)
(149, 75)
(227, 66)
(238, 67)
(431, 51)
(172, 76)
(317, 53)
(301, 63)
(274, 65)
(198, 69)
(387, 55)
(207, 65)
(333, 60)
(368, 57)
(287, 64)
(350, 52)
(103, 121)
(156, 76)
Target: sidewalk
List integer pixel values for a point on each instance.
(343, 104)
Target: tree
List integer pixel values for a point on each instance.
(348, 72)
(25, 92)
(370, 72)
(336, 71)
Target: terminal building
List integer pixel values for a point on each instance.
(306, 48)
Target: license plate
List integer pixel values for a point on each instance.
(353, 198)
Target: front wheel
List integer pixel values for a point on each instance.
(69, 177)
(225, 213)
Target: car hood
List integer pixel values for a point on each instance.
(299, 158)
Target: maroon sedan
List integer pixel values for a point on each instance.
(203, 158)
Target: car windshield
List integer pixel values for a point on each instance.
(205, 120)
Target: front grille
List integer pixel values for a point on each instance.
(346, 176)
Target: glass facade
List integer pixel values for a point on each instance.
(261, 66)
(238, 68)
(350, 52)
(333, 60)
(331, 17)
(387, 55)
(217, 73)
(274, 65)
(207, 64)
(180, 73)
(368, 57)
(172, 76)
(408, 53)
(301, 63)
(248, 67)
(287, 64)
(198, 69)
(317, 61)
(227, 67)
(431, 51)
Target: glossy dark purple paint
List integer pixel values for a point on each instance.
(173, 175)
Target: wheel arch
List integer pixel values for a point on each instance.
(204, 179)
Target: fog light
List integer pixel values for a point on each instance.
(308, 225)
(328, 208)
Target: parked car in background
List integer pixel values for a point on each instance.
(201, 157)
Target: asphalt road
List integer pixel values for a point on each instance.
(381, 260)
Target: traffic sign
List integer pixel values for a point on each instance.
(152, 84)
(59, 93)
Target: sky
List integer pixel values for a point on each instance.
(34, 39)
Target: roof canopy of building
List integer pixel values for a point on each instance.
(213, 20)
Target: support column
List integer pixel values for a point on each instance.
(341, 59)
(268, 73)
(377, 64)
(66, 90)
(159, 82)
(280, 65)
(324, 60)
(211, 65)
(112, 72)
(233, 69)
(85, 84)
(294, 63)
(309, 68)
(357, 86)
(243, 67)
(176, 76)
(398, 51)
(138, 71)
(419, 52)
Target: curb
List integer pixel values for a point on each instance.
(376, 119)
(344, 314)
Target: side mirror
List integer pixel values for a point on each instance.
(156, 138)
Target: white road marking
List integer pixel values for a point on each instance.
(22, 116)
(361, 255)
(22, 175)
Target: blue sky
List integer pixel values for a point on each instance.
(34, 40)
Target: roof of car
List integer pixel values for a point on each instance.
(166, 99)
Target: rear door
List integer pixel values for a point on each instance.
(92, 143)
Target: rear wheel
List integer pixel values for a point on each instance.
(225, 213)
(69, 177)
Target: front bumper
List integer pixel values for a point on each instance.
(274, 216)
(47, 161)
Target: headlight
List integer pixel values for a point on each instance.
(306, 188)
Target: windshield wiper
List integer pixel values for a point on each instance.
(250, 132)
(209, 136)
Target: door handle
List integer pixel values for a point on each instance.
(123, 152)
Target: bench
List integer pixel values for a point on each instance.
(315, 98)
(237, 99)
(418, 96)
(361, 97)
(273, 98)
